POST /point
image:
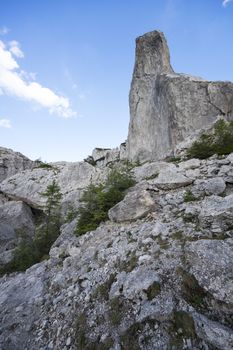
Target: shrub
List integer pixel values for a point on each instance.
(189, 196)
(219, 141)
(98, 199)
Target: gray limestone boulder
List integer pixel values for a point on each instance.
(149, 171)
(17, 216)
(211, 263)
(217, 212)
(215, 186)
(171, 179)
(165, 107)
(12, 162)
(135, 205)
(189, 164)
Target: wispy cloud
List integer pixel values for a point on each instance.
(5, 123)
(226, 2)
(4, 30)
(14, 48)
(15, 82)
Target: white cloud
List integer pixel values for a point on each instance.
(15, 82)
(15, 49)
(4, 30)
(5, 123)
(226, 2)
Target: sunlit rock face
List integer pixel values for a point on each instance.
(166, 107)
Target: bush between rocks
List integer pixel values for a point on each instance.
(98, 199)
(219, 141)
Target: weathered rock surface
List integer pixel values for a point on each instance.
(171, 179)
(71, 177)
(166, 107)
(160, 282)
(17, 215)
(16, 220)
(135, 205)
(12, 162)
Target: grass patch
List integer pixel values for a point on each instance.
(102, 290)
(130, 264)
(163, 243)
(153, 290)
(182, 327)
(116, 311)
(192, 292)
(178, 235)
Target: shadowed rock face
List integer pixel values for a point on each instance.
(166, 107)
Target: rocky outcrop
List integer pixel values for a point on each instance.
(166, 107)
(12, 162)
(72, 178)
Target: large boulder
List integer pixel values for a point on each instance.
(166, 107)
(135, 205)
(211, 264)
(171, 179)
(217, 212)
(18, 216)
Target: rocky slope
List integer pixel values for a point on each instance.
(158, 274)
(166, 107)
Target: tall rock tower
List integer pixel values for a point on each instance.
(165, 107)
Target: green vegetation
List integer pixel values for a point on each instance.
(129, 340)
(98, 199)
(102, 290)
(219, 141)
(153, 290)
(192, 292)
(189, 196)
(182, 327)
(178, 235)
(131, 262)
(50, 231)
(81, 338)
(71, 215)
(173, 159)
(43, 165)
(31, 251)
(116, 311)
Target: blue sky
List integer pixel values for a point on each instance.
(66, 66)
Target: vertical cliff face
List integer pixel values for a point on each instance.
(165, 107)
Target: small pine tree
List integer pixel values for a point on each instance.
(47, 236)
(97, 200)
